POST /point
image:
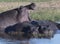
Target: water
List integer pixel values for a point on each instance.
(55, 40)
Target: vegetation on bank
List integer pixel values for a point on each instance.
(46, 14)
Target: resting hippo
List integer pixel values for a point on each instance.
(21, 31)
(16, 15)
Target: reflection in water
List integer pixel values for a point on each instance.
(55, 40)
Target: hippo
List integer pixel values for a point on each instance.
(21, 31)
(47, 28)
(33, 29)
(16, 15)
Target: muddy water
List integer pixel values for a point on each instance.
(55, 40)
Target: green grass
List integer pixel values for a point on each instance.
(46, 14)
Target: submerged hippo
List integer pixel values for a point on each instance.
(21, 31)
(40, 29)
(33, 29)
(16, 15)
(47, 28)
